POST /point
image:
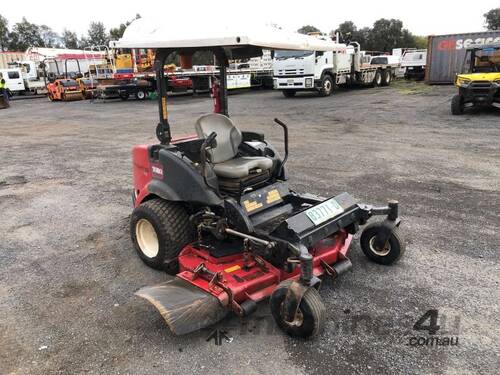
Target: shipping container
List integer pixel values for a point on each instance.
(7, 57)
(446, 54)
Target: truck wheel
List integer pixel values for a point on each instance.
(392, 251)
(311, 315)
(377, 80)
(386, 77)
(159, 230)
(140, 95)
(457, 105)
(124, 95)
(289, 93)
(326, 86)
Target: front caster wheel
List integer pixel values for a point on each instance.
(311, 315)
(393, 250)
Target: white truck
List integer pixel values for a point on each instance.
(13, 80)
(414, 62)
(32, 75)
(322, 71)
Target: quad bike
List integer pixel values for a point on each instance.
(216, 211)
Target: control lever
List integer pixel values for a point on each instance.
(209, 142)
(285, 132)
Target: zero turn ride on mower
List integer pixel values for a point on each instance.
(216, 211)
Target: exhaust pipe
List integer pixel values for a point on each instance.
(342, 267)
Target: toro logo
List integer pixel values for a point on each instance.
(157, 170)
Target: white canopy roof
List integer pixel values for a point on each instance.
(177, 33)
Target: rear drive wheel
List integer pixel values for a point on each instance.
(457, 105)
(124, 95)
(386, 77)
(289, 93)
(311, 315)
(140, 95)
(326, 86)
(159, 230)
(377, 80)
(392, 251)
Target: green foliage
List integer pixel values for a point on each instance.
(97, 35)
(70, 39)
(4, 33)
(492, 19)
(24, 35)
(385, 35)
(308, 29)
(420, 41)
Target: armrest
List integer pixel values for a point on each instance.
(252, 136)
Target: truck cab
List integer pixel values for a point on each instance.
(307, 70)
(13, 79)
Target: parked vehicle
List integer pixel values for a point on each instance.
(479, 85)
(33, 76)
(13, 80)
(322, 71)
(414, 62)
(87, 86)
(64, 90)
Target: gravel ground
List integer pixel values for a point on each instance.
(68, 270)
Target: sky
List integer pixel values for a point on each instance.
(429, 17)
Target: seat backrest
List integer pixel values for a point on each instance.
(228, 136)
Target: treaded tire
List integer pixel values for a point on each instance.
(140, 95)
(377, 79)
(311, 307)
(327, 86)
(457, 105)
(386, 77)
(173, 230)
(395, 250)
(289, 93)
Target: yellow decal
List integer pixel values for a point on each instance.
(273, 196)
(164, 108)
(251, 205)
(232, 269)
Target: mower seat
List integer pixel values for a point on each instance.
(223, 156)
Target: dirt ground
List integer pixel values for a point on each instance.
(68, 271)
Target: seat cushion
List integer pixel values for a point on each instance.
(241, 167)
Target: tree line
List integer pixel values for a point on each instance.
(25, 34)
(386, 34)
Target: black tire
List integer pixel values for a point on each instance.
(457, 105)
(173, 230)
(386, 77)
(124, 96)
(326, 86)
(393, 251)
(289, 93)
(311, 308)
(140, 95)
(377, 80)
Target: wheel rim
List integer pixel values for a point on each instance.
(388, 79)
(379, 78)
(140, 95)
(383, 252)
(298, 321)
(327, 86)
(146, 238)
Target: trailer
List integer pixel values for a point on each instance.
(123, 89)
(414, 62)
(323, 71)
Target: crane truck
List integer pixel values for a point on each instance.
(323, 71)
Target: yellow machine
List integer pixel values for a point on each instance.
(479, 85)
